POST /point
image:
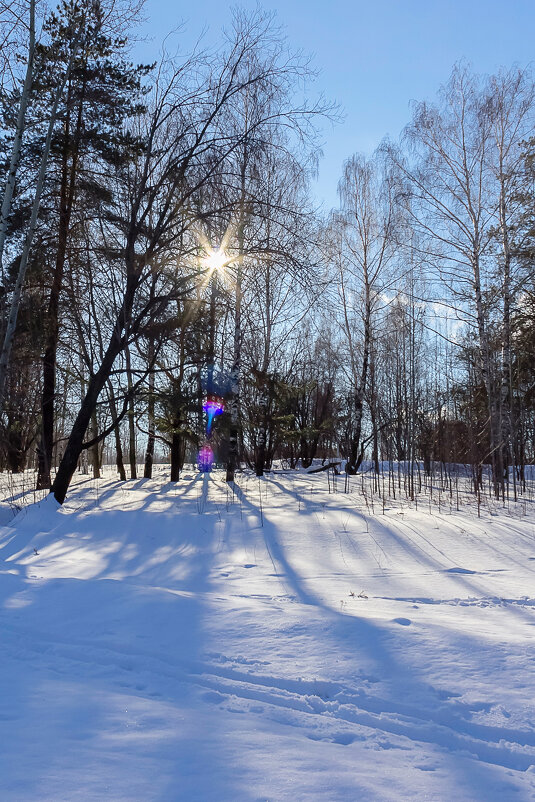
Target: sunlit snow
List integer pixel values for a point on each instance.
(272, 641)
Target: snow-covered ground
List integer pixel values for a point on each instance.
(184, 642)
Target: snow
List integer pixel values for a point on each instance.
(272, 642)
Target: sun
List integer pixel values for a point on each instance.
(216, 260)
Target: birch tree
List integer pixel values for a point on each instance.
(14, 161)
(36, 204)
(366, 246)
(510, 103)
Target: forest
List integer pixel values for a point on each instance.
(161, 248)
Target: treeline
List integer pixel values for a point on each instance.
(159, 244)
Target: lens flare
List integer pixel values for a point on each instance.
(206, 458)
(216, 260)
(212, 406)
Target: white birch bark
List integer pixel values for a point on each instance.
(17, 292)
(17, 142)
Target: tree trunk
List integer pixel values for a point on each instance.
(506, 407)
(149, 453)
(117, 434)
(260, 460)
(232, 459)
(234, 401)
(176, 449)
(95, 451)
(486, 375)
(355, 457)
(23, 265)
(96, 383)
(131, 420)
(68, 181)
(17, 142)
(75, 442)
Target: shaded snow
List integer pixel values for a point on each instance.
(187, 642)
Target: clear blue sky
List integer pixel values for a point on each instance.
(373, 57)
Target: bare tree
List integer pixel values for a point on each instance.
(187, 138)
(365, 236)
(19, 128)
(510, 103)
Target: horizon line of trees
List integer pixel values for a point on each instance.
(400, 328)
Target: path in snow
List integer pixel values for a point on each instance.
(191, 642)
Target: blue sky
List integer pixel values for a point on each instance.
(373, 57)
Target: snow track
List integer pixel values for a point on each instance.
(165, 642)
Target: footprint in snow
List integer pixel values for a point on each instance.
(213, 696)
(459, 571)
(345, 738)
(250, 565)
(342, 738)
(405, 622)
